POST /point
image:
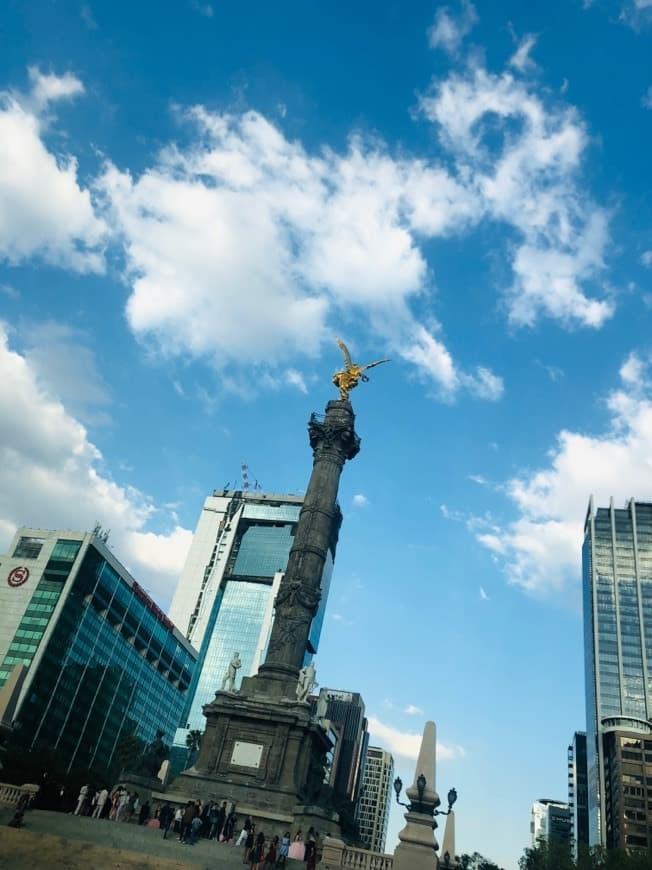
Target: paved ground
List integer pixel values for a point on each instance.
(58, 840)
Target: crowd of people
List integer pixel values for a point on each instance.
(262, 853)
(118, 806)
(210, 820)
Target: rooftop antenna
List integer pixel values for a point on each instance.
(246, 484)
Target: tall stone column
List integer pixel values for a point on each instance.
(333, 441)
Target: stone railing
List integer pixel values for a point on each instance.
(10, 794)
(336, 855)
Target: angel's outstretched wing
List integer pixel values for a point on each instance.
(345, 352)
(371, 365)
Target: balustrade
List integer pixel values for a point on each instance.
(10, 794)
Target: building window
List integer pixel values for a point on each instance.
(29, 548)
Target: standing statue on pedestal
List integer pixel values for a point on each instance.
(229, 677)
(307, 682)
(153, 757)
(348, 379)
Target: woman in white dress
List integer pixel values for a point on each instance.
(298, 848)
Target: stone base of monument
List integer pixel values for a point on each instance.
(266, 756)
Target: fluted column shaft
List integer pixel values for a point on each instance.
(333, 441)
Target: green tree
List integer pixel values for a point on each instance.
(129, 751)
(193, 742)
(476, 860)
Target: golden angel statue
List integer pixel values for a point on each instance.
(346, 380)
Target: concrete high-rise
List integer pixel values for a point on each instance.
(551, 821)
(617, 595)
(578, 793)
(345, 712)
(375, 798)
(103, 661)
(224, 600)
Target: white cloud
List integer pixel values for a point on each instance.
(243, 247)
(555, 373)
(44, 211)
(297, 380)
(484, 595)
(646, 259)
(521, 59)
(541, 548)
(480, 479)
(448, 30)
(406, 744)
(87, 17)
(64, 366)
(205, 9)
(521, 154)
(646, 100)
(636, 13)
(360, 500)
(48, 87)
(339, 617)
(52, 476)
(411, 710)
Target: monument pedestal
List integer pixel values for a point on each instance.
(264, 755)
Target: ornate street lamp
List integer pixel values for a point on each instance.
(421, 787)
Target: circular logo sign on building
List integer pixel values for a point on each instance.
(18, 576)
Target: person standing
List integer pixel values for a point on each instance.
(297, 849)
(165, 817)
(83, 792)
(257, 854)
(195, 828)
(272, 854)
(284, 850)
(249, 844)
(99, 804)
(189, 814)
(122, 813)
(178, 821)
(311, 850)
(143, 815)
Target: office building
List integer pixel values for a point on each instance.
(345, 714)
(103, 662)
(578, 794)
(551, 821)
(375, 798)
(224, 601)
(617, 595)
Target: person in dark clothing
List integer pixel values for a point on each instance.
(257, 854)
(311, 850)
(165, 817)
(229, 824)
(143, 815)
(221, 818)
(272, 854)
(249, 844)
(189, 814)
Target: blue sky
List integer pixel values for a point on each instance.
(197, 197)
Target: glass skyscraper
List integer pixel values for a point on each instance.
(104, 662)
(617, 592)
(224, 601)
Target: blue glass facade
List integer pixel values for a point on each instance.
(241, 612)
(237, 629)
(112, 666)
(617, 595)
